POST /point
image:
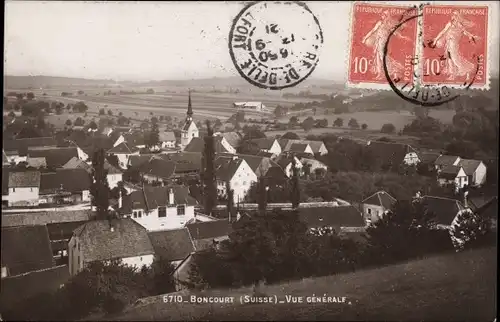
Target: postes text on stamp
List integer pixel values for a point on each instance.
(455, 49)
(371, 26)
(275, 45)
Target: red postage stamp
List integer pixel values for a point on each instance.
(455, 45)
(372, 26)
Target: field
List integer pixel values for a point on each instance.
(455, 287)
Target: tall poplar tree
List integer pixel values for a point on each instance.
(209, 188)
(295, 185)
(100, 188)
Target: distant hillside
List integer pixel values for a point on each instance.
(27, 82)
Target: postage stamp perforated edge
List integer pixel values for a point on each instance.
(419, 40)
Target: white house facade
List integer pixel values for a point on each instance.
(240, 180)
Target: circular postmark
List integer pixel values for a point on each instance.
(275, 45)
(416, 93)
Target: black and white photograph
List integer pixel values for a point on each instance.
(250, 161)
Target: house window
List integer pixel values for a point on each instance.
(181, 210)
(162, 212)
(13, 189)
(139, 214)
(5, 273)
(31, 189)
(135, 214)
(369, 211)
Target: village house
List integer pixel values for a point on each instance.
(259, 164)
(167, 140)
(475, 171)
(60, 234)
(453, 175)
(377, 205)
(235, 171)
(209, 233)
(134, 139)
(338, 218)
(157, 170)
(56, 157)
(45, 217)
(256, 106)
(17, 150)
(187, 164)
(36, 163)
(189, 130)
(269, 145)
(159, 208)
(20, 189)
(107, 240)
(233, 138)
(25, 249)
(444, 209)
(286, 163)
(123, 151)
(173, 245)
(220, 145)
(65, 186)
(393, 154)
(314, 166)
(316, 147)
(446, 160)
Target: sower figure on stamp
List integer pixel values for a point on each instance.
(449, 38)
(376, 38)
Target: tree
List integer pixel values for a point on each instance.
(262, 194)
(68, 107)
(150, 91)
(59, 109)
(100, 188)
(110, 112)
(160, 276)
(295, 185)
(154, 136)
(291, 136)
(279, 111)
(248, 147)
(364, 126)
(322, 123)
(353, 123)
(122, 121)
(30, 96)
(93, 125)
(472, 230)
(79, 122)
(12, 114)
(80, 107)
(68, 122)
(161, 118)
(230, 201)
(308, 123)
(294, 120)
(339, 122)
(210, 190)
(102, 111)
(388, 128)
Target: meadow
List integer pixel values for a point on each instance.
(452, 287)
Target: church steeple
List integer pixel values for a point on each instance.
(190, 108)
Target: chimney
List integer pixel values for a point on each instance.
(120, 199)
(235, 157)
(466, 193)
(238, 216)
(171, 199)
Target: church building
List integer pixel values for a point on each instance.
(189, 130)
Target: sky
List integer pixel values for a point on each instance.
(154, 40)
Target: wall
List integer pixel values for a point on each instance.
(73, 251)
(275, 148)
(228, 146)
(85, 196)
(479, 177)
(323, 150)
(82, 155)
(122, 160)
(375, 212)
(23, 196)
(139, 261)
(192, 132)
(119, 141)
(152, 222)
(411, 158)
(168, 144)
(181, 274)
(113, 179)
(242, 181)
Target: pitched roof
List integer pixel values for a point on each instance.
(286, 144)
(185, 161)
(24, 179)
(123, 148)
(198, 145)
(138, 160)
(111, 168)
(254, 161)
(154, 197)
(449, 172)
(225, 168)
(158, 167)
(172, 245)
(5, 160)
(135, 138)
(98, 242)
(341, 216)
(264, 143)
(18, 288)
(429, 157)
(284, 160)
(209, 229)
(381, 198)
(389, 152)
(63, 230)
(26, 249)
(70, 180)
(446, 160)
(55, 157)
(22, 145)
(45, 217)
(315, 145)
(298, 147)
(233, 138)
(167, 136)
(187, 125)
(445, 209)
(76, 163)
(265, 154)
(469, 166)
(36, 162)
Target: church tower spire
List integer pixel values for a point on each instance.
(190, 108)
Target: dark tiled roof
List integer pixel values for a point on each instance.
(298, 147)
(138, 160)
(167, 136)
(158, 168)
(24, 179)
(315, 145)
(185, 161)
(26, 249)
(45, 217)
(63, 230)
(22, 287)
(381, 198)
(198, 145)
(135, 138)
(209, 229)
(469, 166)
(286, 144)
(36, 162)
(429, 157)
(341, 216)
(128, 239)
(76, 163)
(284, 160)
(172, 245)
(233, 138)
(123, 148)
(111, 168)
(445, 209)
(134, 200)
(264, 143)
(55, 157)
(226, 168)
(388, 152)
(22, 145)
(265, 154)
(153, 197)
(70, 180)
(449, 172)
(445, 160)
